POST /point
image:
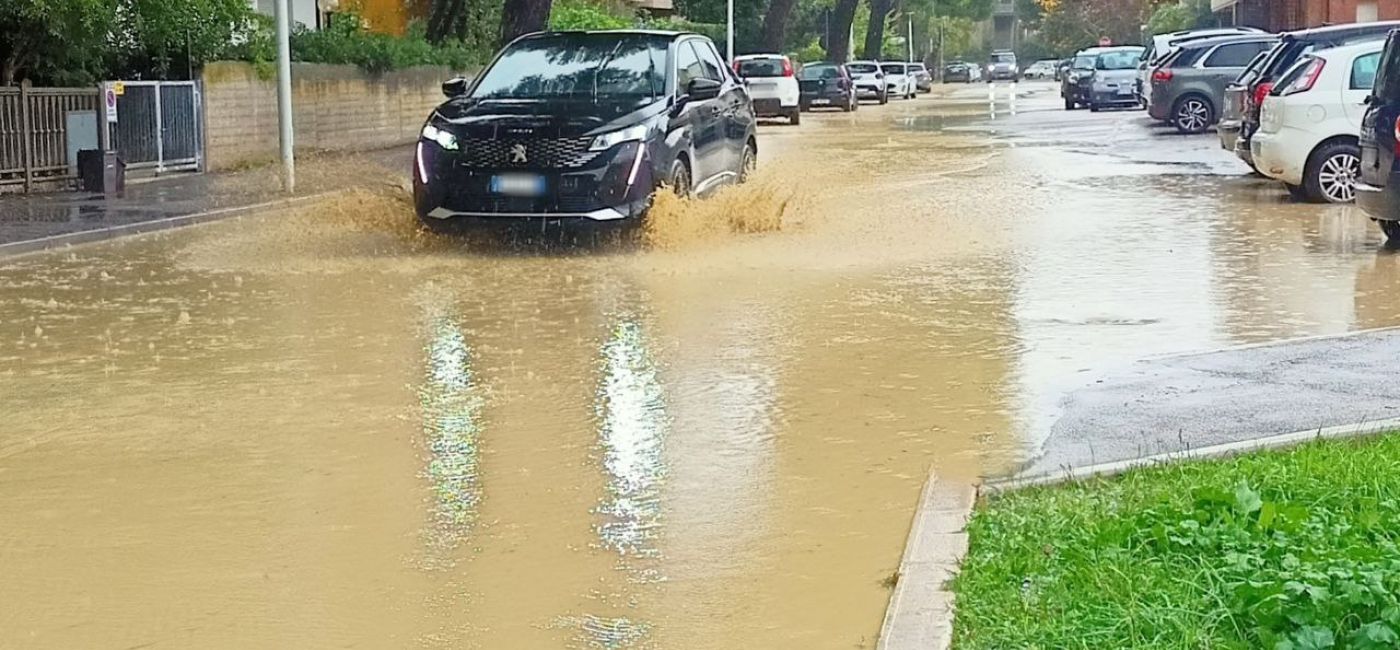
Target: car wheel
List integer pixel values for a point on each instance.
(680, 178)
(850, 105)
(1296, 192)
(1093, 108)
(1331, 173)
(1391, 229)
(884, 98)
(748, 162)
(795, 117)
(1192, 114)
(1069, 104)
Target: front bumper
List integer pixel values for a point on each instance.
(1111, 97)
(616, 184)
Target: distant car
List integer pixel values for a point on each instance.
(898, 80)
(1308, 123)
(923, 81)
(977, 72)
(525, 140)
(1081, 64)
(1112, 81)
(1062, 68)
(869, 80)
(957, 71)
(1162, 45)
(1232, 103)
(827, 84)
(1043, 69)
(1292, 46)
(772, 83)
(1002, 67)
(1188, 87)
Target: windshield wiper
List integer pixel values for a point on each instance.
(611, 55)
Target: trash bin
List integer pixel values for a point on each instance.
(101, 171)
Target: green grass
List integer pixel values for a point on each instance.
(1288, 550)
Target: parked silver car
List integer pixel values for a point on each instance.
(1188, 87)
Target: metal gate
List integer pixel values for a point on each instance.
(159, 125)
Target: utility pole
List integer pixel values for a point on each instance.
(284, 95)
(910, 40)
(729, 30)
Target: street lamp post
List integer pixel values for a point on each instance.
(284, 95)
(729, 30)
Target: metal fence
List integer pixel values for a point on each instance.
(40, 131)
(159, 125)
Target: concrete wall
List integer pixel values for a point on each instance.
(335, 108)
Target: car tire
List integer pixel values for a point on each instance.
(1296, 192)
(1093, 108)
(850, 105)
(1069, 104)
(1391, 230)
(795, 116)
(748, 162)
(884, 98)
(680, 180)
(1330, 175)
(1192, 114)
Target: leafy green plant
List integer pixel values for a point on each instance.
(583, 14)
(1286, 551)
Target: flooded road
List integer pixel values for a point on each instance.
(324, 429)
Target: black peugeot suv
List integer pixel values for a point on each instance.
(568, 126)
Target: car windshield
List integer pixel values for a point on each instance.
(1084, 61)
(862, 68)
(819, 72)
(761, 68)
(1126, 60)
(600, 67)
(893, 68)
(917, 67)
(1003, 57)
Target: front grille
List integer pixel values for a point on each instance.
(560, 153)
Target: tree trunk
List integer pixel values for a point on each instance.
(838, 39)
(443, 16)
(775, 24)
(875, 33)
(520, 17)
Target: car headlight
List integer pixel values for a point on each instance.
(442, 137)
(609, 140)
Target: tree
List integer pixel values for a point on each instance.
(775, 25)
(161, 39)
(53, 41)
(520, 17)
(875, 31)
(838, 37)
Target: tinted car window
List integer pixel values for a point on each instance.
(816, 72)
(1117, 61)
(688, 66)
(893, 68)
(1004, 57)
(1084, 62)
(1388, 73)
(708, 59)
(611, 67)
(761, 68)
(1363, 71)
(1234, 55)
(862, 68)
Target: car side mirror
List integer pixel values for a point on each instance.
(1367, 100)
(879, 75)
(702, 88)
(454, 87)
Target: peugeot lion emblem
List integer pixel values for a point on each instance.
(517, 154)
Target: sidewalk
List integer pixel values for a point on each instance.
(28, 217)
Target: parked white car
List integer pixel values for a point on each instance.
(869, 80)
(898, 81)
(1308, 125)
(772, 84)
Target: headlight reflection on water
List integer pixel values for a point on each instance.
(451, 406)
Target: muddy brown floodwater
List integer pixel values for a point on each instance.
(325, 429)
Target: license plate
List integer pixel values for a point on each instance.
(821, 102)
(517, 184)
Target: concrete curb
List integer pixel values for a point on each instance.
(1225, 450)
(33, 246)
(920, 613)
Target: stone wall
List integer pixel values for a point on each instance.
(334, 108)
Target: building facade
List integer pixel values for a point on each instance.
(1283, 15)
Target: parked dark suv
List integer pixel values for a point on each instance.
(1290, 47)
(583, 125)
(1378, 190)
(1188, 86)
